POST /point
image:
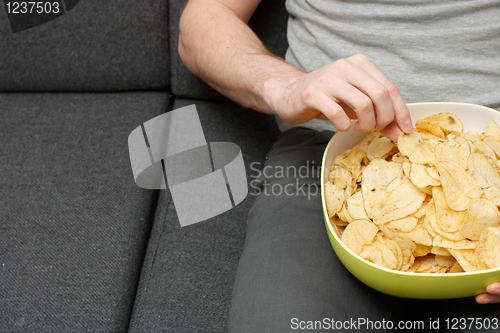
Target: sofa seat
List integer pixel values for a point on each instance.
(73, 224)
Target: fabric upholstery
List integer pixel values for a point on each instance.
(73, 224)
(97, 46)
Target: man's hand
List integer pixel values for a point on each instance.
(352, 88)
(216, 44)
(492, 294)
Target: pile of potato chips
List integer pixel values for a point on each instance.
(426, 204)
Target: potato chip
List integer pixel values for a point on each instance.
(355, 161)
(482, 214)
(406, 165)
(406, 245)
(487, 254)
(397, 253)
(367, 140)
(440, 124)
(445, 260)
(420, 235)
(427, 264)
(358, 234)
(431, 126)
(456, 150)
(431, 139)
(447, 220)
(344, 214)
(334, 197)
(420, 213)
(426, 221)
(382, 254)
(413, 146)
(476, 145)
(397, 200)
(406, 224)
(379, 172)
(422, 250)
(399, 158)
(493, 143)
(452, 244)
(339, 187)
(440, 251)
(458, 186)
(379, 148)
(432, 171)
(450, 123)
(341, 176)
(355, 206)
(492, 194)
(483, 170)
(335, 220)
(472, 135)
(455, 268)
(466, 259)
(338, 159)
(492, 129)
(434, 226)
(420, 177)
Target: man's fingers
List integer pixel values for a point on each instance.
(493, 289)
(353, 88)
(492, 294)
(354, 100)
(317, 100)
(487, 299)
(391, 131)
(400, 111)
(377, 98)
(321, 116)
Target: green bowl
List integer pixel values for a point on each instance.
(406, 284)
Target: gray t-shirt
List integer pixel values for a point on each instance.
(433, 50)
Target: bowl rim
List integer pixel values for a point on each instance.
(357, 257)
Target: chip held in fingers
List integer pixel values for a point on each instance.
(428, 203)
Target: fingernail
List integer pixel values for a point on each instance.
(344, 126)
(408, 126)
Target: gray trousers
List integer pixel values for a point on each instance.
(289, 278)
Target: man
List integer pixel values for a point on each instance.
(346, 60)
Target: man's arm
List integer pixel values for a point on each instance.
(217, 45)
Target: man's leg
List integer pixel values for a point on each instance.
(289, 276)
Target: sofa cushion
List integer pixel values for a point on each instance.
(188, 272)
(96, 46)
(74, 225)
(269, 22)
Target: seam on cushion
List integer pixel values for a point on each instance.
(153, 260)
(139, 293)
(142, 292)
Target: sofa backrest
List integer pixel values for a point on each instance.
(96, 46)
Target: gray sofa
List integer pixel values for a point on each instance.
(82, 248)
